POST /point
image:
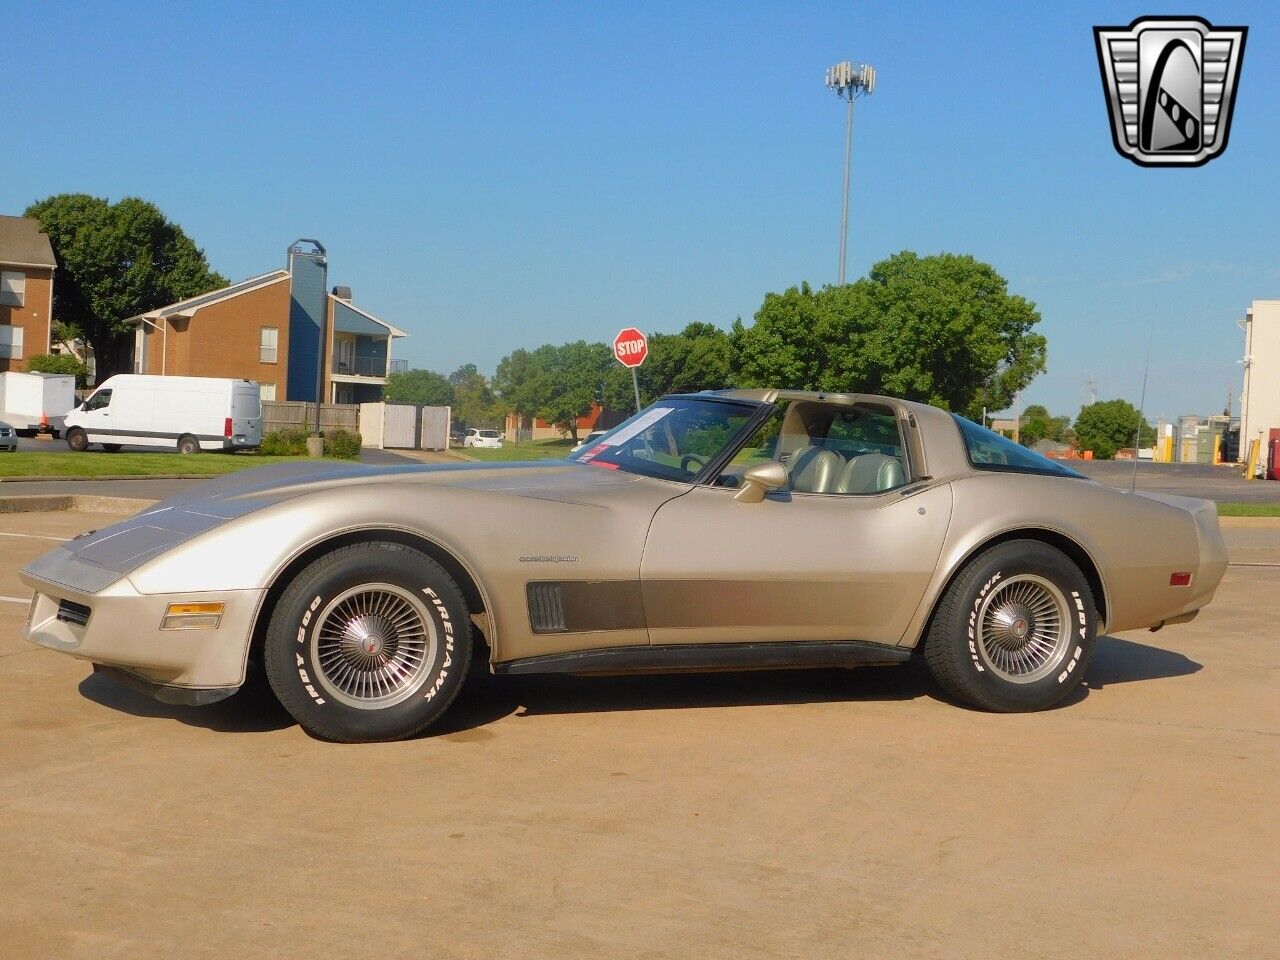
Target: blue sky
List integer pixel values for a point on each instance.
(488, 176)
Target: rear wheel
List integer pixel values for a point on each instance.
(1015, 629)
(77, 440)
(370, 642)
(188, 444)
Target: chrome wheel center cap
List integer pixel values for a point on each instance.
(368, 638)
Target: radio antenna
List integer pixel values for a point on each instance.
(1142, 401)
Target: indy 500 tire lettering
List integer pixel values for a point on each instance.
(1014, 629)
(369, 642)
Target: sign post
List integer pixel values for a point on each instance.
(630, 347)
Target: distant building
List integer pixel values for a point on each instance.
(520, 429)
(267, 328)
(27, 266)
(1260, 398)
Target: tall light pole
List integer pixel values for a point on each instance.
(849, 80)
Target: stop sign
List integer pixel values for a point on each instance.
(630, 346)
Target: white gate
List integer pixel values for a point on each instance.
(399, 425)
(434, 428)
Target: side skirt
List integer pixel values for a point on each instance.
(685, 657)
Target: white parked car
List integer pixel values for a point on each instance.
(589, 440)
(187, 414)
(482, 438)
(8, 437)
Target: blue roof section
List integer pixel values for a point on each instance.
(348, 318)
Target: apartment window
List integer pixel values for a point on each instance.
(13, 288)
(267, 392)
(268, 339)
(11, 342)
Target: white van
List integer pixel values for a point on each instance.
(187, 414)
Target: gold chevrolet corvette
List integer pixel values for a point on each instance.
(742, 529)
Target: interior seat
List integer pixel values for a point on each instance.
(815, 470)
(871, 473)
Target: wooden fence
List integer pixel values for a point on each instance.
(299, 415)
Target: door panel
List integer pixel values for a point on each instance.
(794, 567)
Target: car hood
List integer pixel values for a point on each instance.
(99, 557)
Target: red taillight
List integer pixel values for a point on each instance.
(1180, 579)
(226, 427)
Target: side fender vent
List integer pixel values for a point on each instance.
(546, 608)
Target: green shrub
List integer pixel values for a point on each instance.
(60, 363)
(284, 443)
(343, 444)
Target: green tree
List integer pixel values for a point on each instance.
(943, 329)
(473, 400)
(420, 387)
(116, 261)
(1038, 424)
(1109, 425)
(60, 363)
(556, 383)
(699, 357)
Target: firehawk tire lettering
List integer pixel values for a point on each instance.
(298, 681)
(954, 644)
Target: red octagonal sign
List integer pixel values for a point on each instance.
(630, 346)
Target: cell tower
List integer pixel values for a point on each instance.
(1089, 390)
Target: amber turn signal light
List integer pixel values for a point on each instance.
(192, 616)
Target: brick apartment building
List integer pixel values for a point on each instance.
(268, 329)
(26, 291)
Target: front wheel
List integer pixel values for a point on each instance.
(1014, 631)
(77, 440)
(370, 642)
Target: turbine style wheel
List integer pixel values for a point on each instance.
(369, 642)
(1022, 628)
(1014, 630)
(373, 646)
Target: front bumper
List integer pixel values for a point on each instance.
(122, 632)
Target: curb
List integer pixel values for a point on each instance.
(48, 503)
(113, 476)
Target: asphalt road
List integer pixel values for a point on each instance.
(805, 814)
(1222, 483)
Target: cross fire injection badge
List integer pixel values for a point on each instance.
(1170, 84)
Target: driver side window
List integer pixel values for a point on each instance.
(99, 401)
(834, 449)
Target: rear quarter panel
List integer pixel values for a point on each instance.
(1134, 542)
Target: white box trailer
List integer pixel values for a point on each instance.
(187, 414)
(31, 402)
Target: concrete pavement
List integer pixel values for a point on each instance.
(793, 814)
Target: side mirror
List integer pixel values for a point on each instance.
(759, 480)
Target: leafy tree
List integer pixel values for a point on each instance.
(116, 261)
(699, 357)
(555, 383)
(420, 387)
(943, 329)
(473, 400)
(60, 363)
(1038, 424)
(1109, 425)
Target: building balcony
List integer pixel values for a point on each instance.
(363, 366)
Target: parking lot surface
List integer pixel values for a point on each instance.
(790, 814)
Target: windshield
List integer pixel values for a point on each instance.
(989, 451)
(671, 440)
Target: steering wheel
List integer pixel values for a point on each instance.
(699, 460)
